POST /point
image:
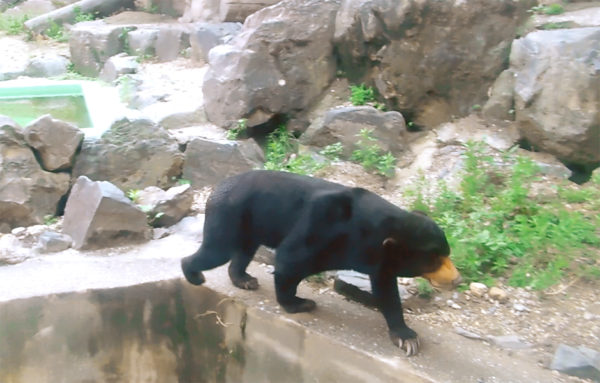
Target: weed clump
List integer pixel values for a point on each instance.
(496, 228)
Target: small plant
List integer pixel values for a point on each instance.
(81, 16)
(124, 39)
(239, 130)
(183, 181)
(126, 87)
(333, 151)
(13, 25)
(361, 94)
(134, 195)
(558, 25)
(495, 228)
(424, 289)
(50, 219)
(551, 9)
(371, 156)
(281, 154)
(56, 32)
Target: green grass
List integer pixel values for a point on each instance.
(332, 152)
(56, 32)
(239, 131)
(361, 94)
(281, 154)
(497, 229)
(550, 9)
(81, 16)
(13, 25)
(372, 157)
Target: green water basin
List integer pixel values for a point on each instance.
(65, 102)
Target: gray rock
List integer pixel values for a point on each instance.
(512, 342)
(143, 41)
(467, 334)
(498, 294)
(280, 62)
(166, 208)
(500, 104)
(582, 362)
(98, 214)
(563, 123)
(133, 154)
(422, 55)
(52, 242)
(12, 250)
(169, 43)
(92, 43)
(210, 161)
(118, 65)
(27, 192)
(47, 66)
(54, 141)
(206, 36)
(344, 125)
(478, 289)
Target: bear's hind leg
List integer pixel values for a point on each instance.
(237, 268)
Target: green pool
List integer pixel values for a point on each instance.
(63, 101)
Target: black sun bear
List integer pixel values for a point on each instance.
(316, 225)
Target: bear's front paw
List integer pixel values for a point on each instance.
(245, 282)
(406, 339)
(299, 306)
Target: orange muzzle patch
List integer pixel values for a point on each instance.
(446, 277)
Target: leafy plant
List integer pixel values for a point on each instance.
(124, 39)
(557, 25)
(134, 195)
(424, 289)
(81, 16)
(495, 228)
(551, 9)
(56, 32)
(239, 130)
(13, 25)
(333, 151)
(50, 219)
(281, 154)
(361, 94)
(371, 156)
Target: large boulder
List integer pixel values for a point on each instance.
(209, 161)
(98, 214)
(432, 58)
(280, 62)
(557, 98)
(132, 154)
(345, 124)
(54, 141)
(92, 43)
(27, 192)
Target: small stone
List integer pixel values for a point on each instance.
(18, 231)
(453, 304)
(51, 242)
(498, 294)
(478, 289)
(520, 307)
